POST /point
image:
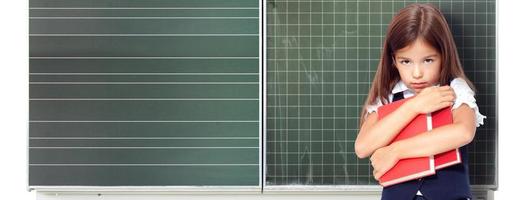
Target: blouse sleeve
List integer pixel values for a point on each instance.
(374, 107)
(464, 94)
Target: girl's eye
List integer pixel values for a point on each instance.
(405, 62)
(429, 60)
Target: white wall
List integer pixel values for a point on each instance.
(14, 99)
(509, 44)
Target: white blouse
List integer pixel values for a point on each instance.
(464, 94)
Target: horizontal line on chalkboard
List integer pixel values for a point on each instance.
(319, 164)
(148, 57)
(202, 74)
(138, 34)
(366, 24)
(362, 36)
(322, 94)
(282, 117)
(342, 176)
(315, 106)
(312, 129)
(143, 138)
(357, 71)
(140, 121)
(142, 99)
(143, 17)
(381, 12)
(359, 164)
(328, 82)
(349, 83)
(130, 164)
(357, 48)
(355, 59)
(144, 8)
(319, 82)
(143, 147)
(307, 141)
(338, 152)
(358, 1)
(145, 83)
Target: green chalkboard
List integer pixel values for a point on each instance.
(321, 59)
(144, 93)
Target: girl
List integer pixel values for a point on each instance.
(420, 59)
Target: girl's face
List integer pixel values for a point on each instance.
(419, 65)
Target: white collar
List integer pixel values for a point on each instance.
(400, 87)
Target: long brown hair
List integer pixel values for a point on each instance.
(415, 21)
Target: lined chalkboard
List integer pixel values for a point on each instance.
(144, 93)
(321, 59)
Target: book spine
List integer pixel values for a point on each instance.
(429, 121)
(429, 128)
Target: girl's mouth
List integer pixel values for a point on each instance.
(419, 85)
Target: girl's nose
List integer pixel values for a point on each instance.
(417, 72)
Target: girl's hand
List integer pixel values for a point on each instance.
(382, 160)
(432, 99)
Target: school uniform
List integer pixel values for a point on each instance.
(450, 182)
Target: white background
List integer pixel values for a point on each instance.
(14, 99)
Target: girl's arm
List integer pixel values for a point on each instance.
(375, 134)
(438, 140)
(441, 139)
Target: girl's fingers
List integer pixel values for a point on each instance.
(449, 94)
(444, 88)
(449, 98)
(446, 91)
(440, 105)
(449, 89)
(447, 104)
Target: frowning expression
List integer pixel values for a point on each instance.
(419, 65)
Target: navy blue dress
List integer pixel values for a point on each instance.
(450, 183)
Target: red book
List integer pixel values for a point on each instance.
(410, 168)
(449, 158)
(413, 168)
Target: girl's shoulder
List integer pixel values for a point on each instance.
(374, 107)
(465, 95)
(460, 86)
(398, 87)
